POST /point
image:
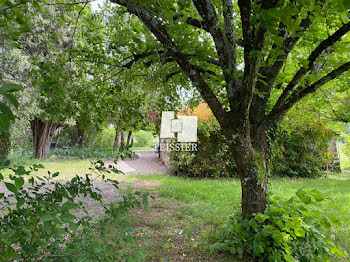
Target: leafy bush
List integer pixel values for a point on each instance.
(38, 220)
(91, 153)
(212, 159)
(103, 140)
(143, 138)
(301, 150)
(288, 230)
(346, 146)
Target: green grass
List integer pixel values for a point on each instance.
(148, 147)
(344, 161)
(209, 202)
(197, 207)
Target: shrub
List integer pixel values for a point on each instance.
(93, 153)
(346, 146)
(143, 138)
(103, 140)
(212, 160)
(288, 230)
(38, 222)
(301, 150)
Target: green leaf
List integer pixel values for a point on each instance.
(10, 252)
(289, 258)
(47, 217)
(299, 232)
(346, 4)
(339, 252)
(8, 88)
(6, 110)
(67, 217)
(12, 99)
(20, 171)
(317, 195)
(303, 196)
(145, 201)
(19, 182)
(20, 202)
(11, 187)
(97, 247)
(240, 252)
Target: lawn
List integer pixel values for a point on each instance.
(180, 223)
(200, 206)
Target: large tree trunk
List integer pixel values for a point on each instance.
(128, 140)
(250, 154)
(81, 138)
(42, 132)
(116, 139)
(122, 140)
(4, 148)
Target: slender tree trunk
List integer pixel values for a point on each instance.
(4, 148)
(128, 140)
(122, 140)
(81, 138)
(116, 139)
(74, 137)
(42, 132)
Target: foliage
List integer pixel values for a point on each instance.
(288, 230)
(346, 147)
(143, 138)
(40, 220)
(301, 150)
(83, 153)
(102, 140)
(212, 160)
(6, 114)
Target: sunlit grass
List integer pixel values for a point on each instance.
(344, 161)
(211, 201)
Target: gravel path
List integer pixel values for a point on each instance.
(146, 163)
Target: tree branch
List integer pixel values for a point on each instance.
(230, 46)
(312, 58)
(278, 112)
(286, 46)
(195, 22)
(159, 31)
(225, 48)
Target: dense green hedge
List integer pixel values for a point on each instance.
(300, 150)
(212, 159)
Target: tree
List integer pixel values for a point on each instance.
(233, 54)
(49, 37)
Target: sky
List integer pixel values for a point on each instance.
(94, 4)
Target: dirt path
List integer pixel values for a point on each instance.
(147, 162)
